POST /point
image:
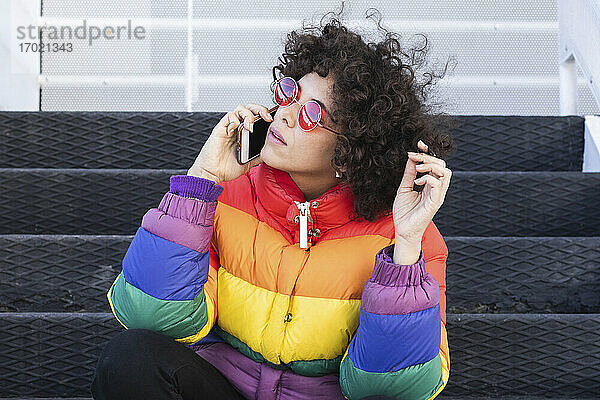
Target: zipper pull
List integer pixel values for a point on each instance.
(304, 211)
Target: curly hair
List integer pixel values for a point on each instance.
(377, 100)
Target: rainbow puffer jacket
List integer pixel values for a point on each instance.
(288, 298)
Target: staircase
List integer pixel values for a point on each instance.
(521, 222)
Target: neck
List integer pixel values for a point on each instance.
(313, 186)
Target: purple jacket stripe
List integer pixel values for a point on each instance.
(399, 289)
(188, 222)
(259, 381)
(193, 186)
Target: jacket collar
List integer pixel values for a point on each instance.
(279, 195)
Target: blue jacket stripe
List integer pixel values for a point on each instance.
(385, 343)
(164, 269)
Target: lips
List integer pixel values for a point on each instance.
(276, 133)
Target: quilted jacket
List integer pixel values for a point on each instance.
(288, 298)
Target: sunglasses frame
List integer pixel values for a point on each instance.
(295, 100)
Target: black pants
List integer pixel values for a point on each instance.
(143, 364)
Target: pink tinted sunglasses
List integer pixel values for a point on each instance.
(287, 91)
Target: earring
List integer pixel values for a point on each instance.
(337, 174)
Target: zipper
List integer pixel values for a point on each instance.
(289, 307)
(304, 209)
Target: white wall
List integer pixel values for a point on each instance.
(19, 71)
(591, 150)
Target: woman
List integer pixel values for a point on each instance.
(314, 271)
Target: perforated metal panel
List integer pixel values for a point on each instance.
(213, 56)
(120, 9)
(114, 98)
(162, 53)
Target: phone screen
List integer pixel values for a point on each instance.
(253, 142)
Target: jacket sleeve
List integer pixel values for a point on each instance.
(400, 349)
(168, 282)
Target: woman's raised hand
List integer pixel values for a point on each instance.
(412, 210)
(217, 159)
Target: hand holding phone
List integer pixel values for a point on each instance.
(250, 144)
(218, 156)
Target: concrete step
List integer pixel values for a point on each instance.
(72, 273)
(171, 140)
(55, 354)
(81, 201)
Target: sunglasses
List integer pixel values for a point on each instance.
(287, 92)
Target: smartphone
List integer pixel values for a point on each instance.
(250, 144)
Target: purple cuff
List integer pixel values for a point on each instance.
(387, 273)
(193, 186)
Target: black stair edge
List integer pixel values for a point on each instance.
(126, 139)
(550, 355)
(72, 273)
(63, 201)
(440, 396)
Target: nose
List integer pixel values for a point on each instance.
(288, 114)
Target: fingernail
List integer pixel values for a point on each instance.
(411, 153)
